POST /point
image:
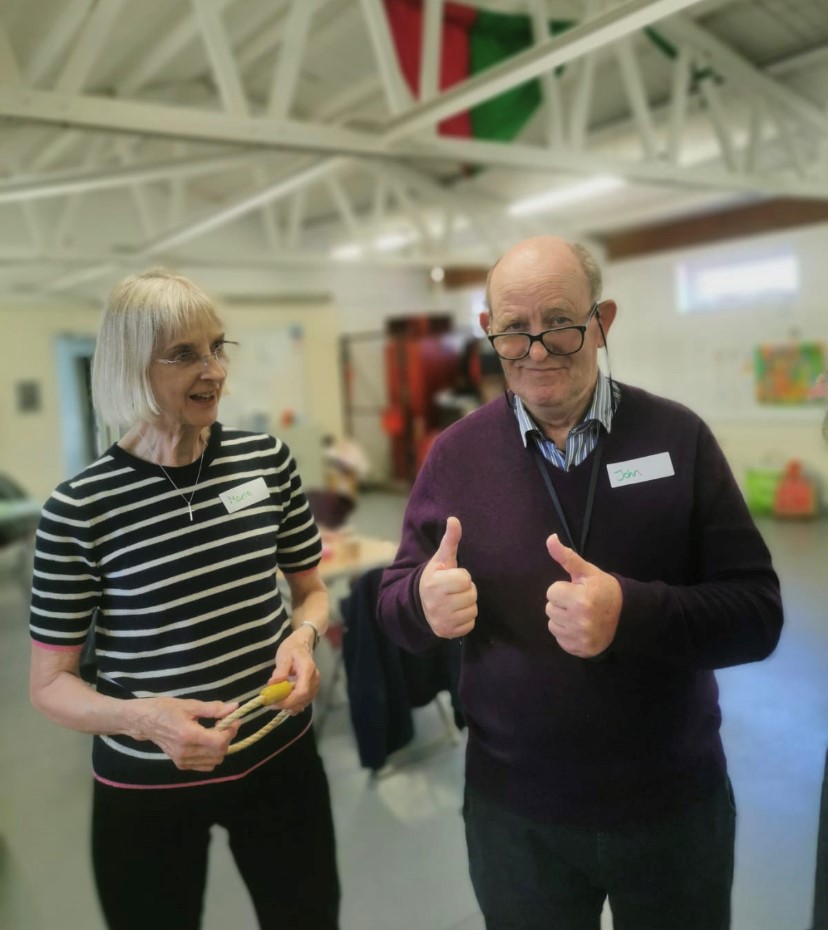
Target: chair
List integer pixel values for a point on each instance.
(385, 683)
(330, 509)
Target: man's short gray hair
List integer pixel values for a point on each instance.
(589, 266)
(141, 313)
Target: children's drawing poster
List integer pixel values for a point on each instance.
(785, 374)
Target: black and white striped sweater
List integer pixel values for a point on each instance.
(187, 609)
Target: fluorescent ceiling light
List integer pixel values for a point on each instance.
(346, 253)
(563, 196)
(390, 242)
(393, 241)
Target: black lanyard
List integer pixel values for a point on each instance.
(590, 502)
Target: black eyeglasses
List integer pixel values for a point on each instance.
(563, 340)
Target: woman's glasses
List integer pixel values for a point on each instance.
(190, 358)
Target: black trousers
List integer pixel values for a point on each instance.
(674, 873)
(150, 847)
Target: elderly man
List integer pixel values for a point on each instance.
(588, 542)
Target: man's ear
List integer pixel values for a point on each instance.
(606, 316)
(484, 320)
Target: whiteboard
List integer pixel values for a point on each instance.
(266, 379)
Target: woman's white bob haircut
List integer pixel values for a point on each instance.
(142, 313)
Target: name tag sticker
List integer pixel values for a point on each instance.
(647, 468)
(251, 492)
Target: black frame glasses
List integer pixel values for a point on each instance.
(551, 346)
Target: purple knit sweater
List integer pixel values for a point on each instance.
(634, 734)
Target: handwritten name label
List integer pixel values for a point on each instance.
(647, 468)
(251, 492)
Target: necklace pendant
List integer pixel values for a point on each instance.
(190, 509)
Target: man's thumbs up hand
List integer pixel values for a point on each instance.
(446, 555)
(583, 612)
(447, 593)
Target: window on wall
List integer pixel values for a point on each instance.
(716, 285)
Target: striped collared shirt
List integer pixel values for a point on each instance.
(583, 437)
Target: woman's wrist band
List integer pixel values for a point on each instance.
(315, 631)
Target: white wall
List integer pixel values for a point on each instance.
(705, 360)
(348, 301)
(30, 443)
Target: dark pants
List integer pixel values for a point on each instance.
(676, 872)
(149, 847)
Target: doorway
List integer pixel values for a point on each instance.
(77, 418)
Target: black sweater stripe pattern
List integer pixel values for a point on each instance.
(185, 609)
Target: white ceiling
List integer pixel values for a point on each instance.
(260, 134)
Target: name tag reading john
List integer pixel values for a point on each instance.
(251, 492)
(647, 468)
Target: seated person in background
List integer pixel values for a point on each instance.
(345, 465)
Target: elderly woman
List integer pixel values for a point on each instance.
(171, 541)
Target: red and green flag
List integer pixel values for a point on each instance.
(473, 40)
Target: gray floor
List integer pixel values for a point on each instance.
(401, 851)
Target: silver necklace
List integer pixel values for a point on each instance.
(187, 501)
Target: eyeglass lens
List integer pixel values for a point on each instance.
(564, 341)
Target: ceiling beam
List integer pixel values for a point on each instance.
(678, 103)
(637, 96)
(343, 206)
(55, 40)
(432, 44)
(33, 224)
(162, 51)
(60, 183)
(281, 188)
(265, 40)
(125, 153)
(220, 57)
(98, 264)
(581, 39)
(85, 51)
(699, 177)
(752, 220)
(551, 92)
(720, 122)
(9, 68)
(188, 123)
(289, 59)
(397, 95)
(732, 65)
(180, 122)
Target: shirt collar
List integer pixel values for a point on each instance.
(600, 409)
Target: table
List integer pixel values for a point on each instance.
(347, 555)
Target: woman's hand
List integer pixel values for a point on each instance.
(294, 661)
(173, 724)
(294, 657)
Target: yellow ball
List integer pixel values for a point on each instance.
(272, 694)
